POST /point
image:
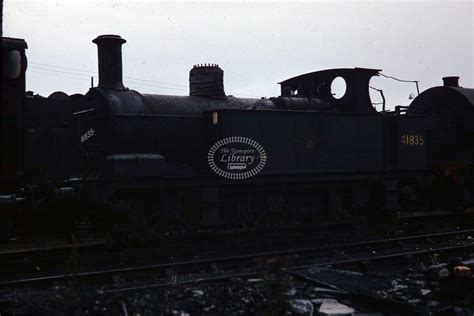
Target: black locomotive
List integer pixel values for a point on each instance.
(209, 158)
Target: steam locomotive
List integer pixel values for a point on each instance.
(209, 158)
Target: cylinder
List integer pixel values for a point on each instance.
(109, 49)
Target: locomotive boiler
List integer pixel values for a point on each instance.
(211, 159)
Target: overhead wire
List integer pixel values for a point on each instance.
(61, 67)
(383, 98)
(88, 76)
(60, 71)
(402, 80)
(55, 75)
(95, 73)
(129, 80)
(84, 79)
(416, 82)
(397, 79)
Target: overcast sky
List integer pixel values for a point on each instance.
(256, 44)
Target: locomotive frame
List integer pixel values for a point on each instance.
(302, 155)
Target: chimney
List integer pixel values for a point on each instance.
(109, 49)
(207, 80)
(452, 81)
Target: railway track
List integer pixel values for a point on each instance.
(74, 256)
(34, 252)
(242, 265)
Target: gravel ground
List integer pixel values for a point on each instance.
(435, 290)
(423, 287)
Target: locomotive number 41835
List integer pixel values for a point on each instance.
(412, 140)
